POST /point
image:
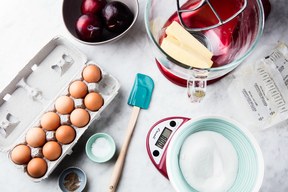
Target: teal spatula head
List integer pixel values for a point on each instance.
(141, 92)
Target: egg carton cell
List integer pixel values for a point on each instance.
(7, 124)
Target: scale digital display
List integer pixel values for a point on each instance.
(163, 137)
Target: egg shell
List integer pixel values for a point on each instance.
(37, 167)
(78, 89)
(65, 134)
(64, 105)
(21, 154)
(79, 117)
(50, 121)
(52, 150)
(36, 137)
(93, 101)
(92, 74)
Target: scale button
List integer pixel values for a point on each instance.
(172, 123)
(156, 153)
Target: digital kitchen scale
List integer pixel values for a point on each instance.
(158, 139)
(164, 143)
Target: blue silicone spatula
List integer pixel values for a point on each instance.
(139, 98)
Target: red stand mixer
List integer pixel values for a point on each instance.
(230, 29)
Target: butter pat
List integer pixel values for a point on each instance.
(183, 47)
(184, 53)
(178, 32)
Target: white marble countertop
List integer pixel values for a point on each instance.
(26, 26)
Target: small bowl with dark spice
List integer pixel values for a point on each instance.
(96, 22)
(72, 179)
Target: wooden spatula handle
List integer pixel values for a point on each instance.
(121, 158)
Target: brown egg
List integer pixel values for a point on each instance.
(21, 154)
(92, 74)
(36, 137)
(64, 105)
(52, 150)
(37, 167)
(79, 117)
(78, 89)
(50, 121)
(65, 134)
(93, 101)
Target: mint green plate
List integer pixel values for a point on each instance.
(108, 155)
(250, 160)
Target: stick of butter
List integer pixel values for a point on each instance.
(178, 32)
(185, 48)
(184, 54)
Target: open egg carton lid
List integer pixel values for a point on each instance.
(36, 87)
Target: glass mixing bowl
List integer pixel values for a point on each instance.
(230, 43)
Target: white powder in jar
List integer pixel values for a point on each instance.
(101, 147)
(208, 162)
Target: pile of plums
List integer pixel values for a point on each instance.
(101, 20)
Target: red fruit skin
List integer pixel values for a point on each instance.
(117, 16)
(92, 6)
(89, 28)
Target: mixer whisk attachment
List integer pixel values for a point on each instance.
(195, 5)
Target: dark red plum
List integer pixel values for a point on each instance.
(118, 17)
(89, 28)
(92, 6)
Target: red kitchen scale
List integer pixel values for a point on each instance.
(158, 139)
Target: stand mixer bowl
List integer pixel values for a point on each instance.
(230, 43)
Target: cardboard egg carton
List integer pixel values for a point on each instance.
(34, 90)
